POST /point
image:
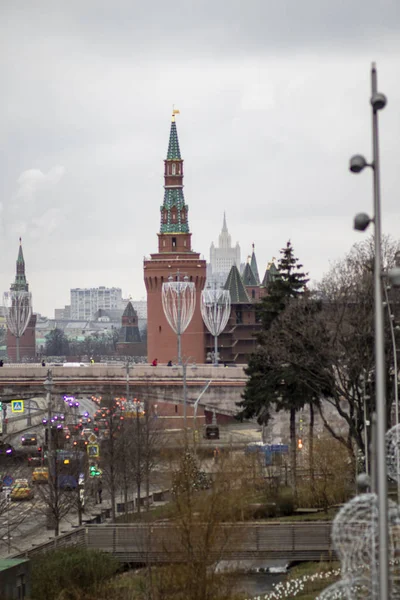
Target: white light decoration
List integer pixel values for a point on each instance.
(179, 301)
(355, 538)
(17, 311)
(215, 310)
(392, 439)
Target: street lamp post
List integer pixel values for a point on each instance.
(215, 310)
(48, 386)
(361, 222)
(18, 309)
(179, 301)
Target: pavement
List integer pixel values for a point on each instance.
(23, 524)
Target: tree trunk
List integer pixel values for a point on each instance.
(311, 445)
(293, 447)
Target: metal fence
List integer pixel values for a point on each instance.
(166, 542)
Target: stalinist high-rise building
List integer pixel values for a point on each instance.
(175, 258)
(222, 257)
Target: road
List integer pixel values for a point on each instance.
(23, 522)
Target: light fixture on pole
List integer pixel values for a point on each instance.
(215, 310)
(18, 309)
(179, 301)
(361, 222)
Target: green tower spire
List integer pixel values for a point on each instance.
(174, 210)
(174, 152)
(20, 282)
(254, 266)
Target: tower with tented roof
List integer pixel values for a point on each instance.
(27, 342)
(175, 257)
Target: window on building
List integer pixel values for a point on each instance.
(253, 294)
(174, 242)
(174, 169)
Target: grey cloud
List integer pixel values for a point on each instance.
(274, 99)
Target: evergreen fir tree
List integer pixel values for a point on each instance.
(273, 384)
(290, 283)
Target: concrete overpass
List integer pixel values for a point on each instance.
(159, 384)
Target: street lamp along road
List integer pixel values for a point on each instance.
(215, 310)
(18, 310)
(361, 222)
(179, 301)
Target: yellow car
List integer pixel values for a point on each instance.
(40, 475)
(21, 490)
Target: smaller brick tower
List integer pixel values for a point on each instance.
(27, 343)
(175, 257)
(129, 341)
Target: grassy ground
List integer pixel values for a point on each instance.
(315, 516)
(166, 511)
(313, 588)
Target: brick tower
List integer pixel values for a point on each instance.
(27, 343)
(175, 256)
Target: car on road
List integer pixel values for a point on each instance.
(29, 439)
(6, 449)
(21, 490)
(40, 475)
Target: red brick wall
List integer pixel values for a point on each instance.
(161, 339)
(27, 343)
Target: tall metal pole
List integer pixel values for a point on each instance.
(379, 364)
(178, 325)
(184, 366)
(366, 441)
(127, 381)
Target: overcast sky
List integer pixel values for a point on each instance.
(274, 99)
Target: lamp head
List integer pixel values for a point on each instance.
(361, 221)
(394, 276)
(357, 163)
(378, 101)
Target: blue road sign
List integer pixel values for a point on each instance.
(17, 406)
(8, 480)
(283, 448)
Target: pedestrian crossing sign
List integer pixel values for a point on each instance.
(17, 406)
(93, 450)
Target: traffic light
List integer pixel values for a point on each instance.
(94, 471)
(300, 444)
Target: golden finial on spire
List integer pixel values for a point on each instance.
(175, 111)
(20, 240)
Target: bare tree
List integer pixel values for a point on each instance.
(110, 450)
(57, 495)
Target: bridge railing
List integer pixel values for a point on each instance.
(161, 543)
(118, 371)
